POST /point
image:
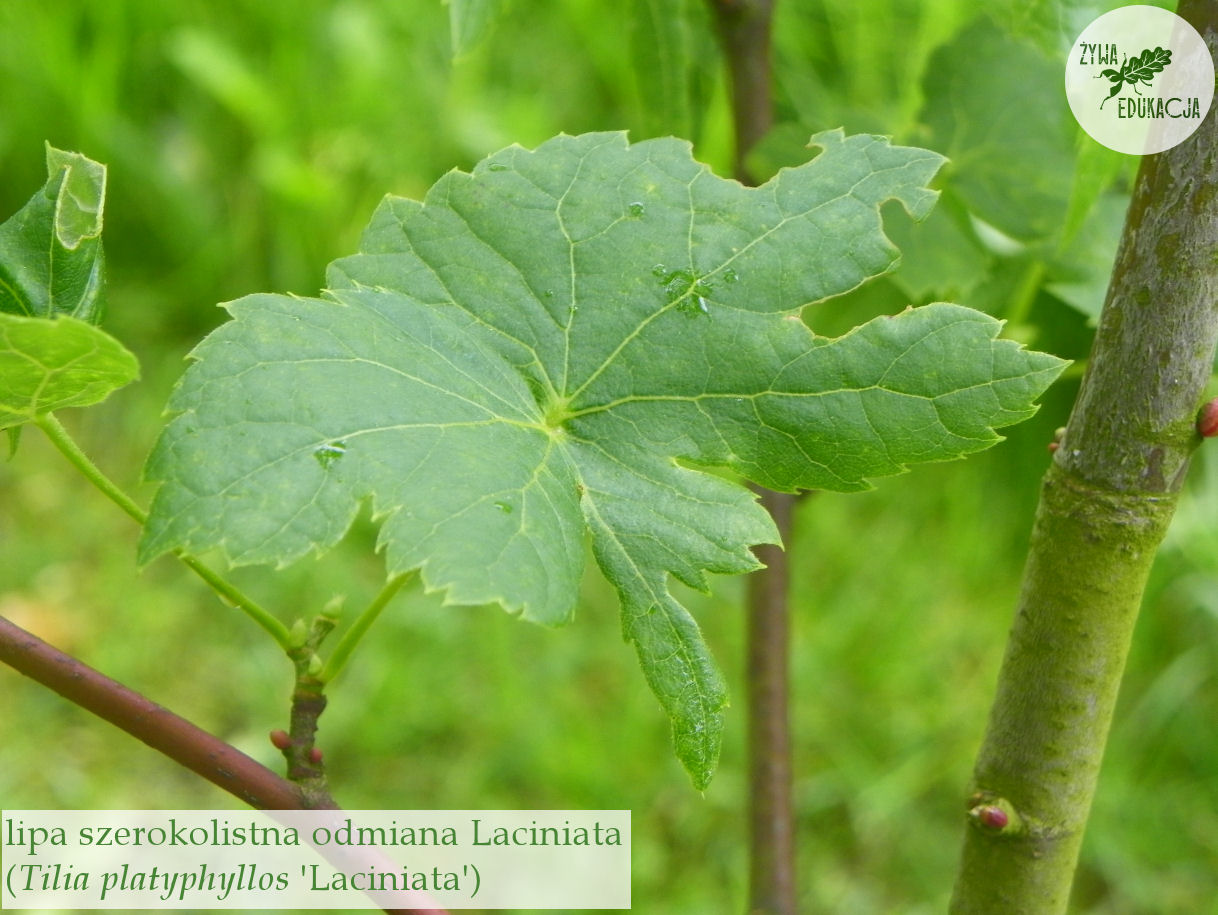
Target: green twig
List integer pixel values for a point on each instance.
(351, 638)
(62, 439)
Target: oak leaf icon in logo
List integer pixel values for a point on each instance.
(1138, 69)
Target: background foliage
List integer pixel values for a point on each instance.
(249, 142)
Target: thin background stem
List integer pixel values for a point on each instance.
(772, 886)
(744, 31)
(744, 28)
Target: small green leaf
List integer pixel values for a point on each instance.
(51, 258)
(547, 350)
(47, 364)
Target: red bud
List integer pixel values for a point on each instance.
(990, 817)
(280, 739)
(315, 755)
(1207, 419)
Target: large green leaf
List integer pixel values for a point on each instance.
(548, 349)
(50, 251)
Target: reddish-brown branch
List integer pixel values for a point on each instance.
(184, 743)
(202, 753)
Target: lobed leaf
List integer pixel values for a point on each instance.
(547, 350)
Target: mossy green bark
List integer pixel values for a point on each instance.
(1105, 505)
(1090, 555)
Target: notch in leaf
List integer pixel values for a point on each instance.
(546, 350)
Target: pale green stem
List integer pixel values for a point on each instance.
(351, 638)
(231, 593)
(1025, 294)
(67, 446)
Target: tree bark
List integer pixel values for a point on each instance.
(1105, 505)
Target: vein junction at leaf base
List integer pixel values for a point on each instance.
(546, 348)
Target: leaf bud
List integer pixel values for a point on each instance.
(333, 610)
(989, 816)
(298, 635)
(315, 666)
(1207, 419)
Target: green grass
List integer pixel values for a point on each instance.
(248, 143)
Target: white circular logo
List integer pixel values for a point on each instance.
(1140, 79)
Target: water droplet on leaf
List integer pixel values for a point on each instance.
(730, 275)
(659, 270)
(637, 209)
(497, 167)
(504, 507)
(684, 288)
(329, 453)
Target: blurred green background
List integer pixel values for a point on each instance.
(248, 142)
